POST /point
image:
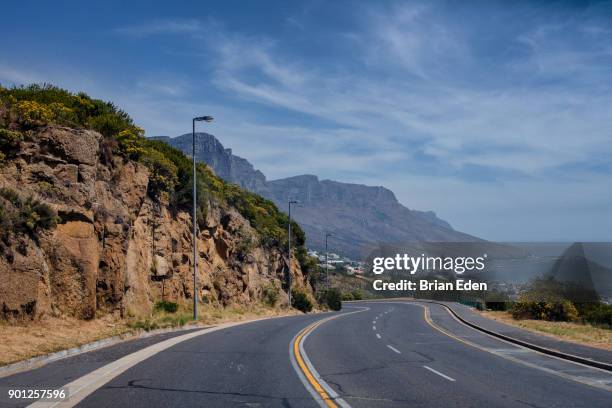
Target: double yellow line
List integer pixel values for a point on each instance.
(316, 385)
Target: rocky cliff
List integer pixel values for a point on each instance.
(226, 165)
(109, 243)
(359, 216)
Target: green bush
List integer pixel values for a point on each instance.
(597, 313)
(162, 172)
(548, 289)
(333, 299)
(31, 114)
(270, 295)
(20, 215)
(353, 295)
(9, 139)
(550, 299)
(498, 306)
(39, 104)
(301, 301)
(146, 325)
(347, 296)
(169, 307)
(563, 310)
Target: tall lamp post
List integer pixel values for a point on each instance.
(195, 224)
(289, 251)
(327, 235)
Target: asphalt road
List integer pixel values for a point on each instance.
(411, 364)
(380, 355)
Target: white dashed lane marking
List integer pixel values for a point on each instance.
(396, 350)
(439, 373)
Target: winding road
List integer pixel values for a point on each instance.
(372, 354)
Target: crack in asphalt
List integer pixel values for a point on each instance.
(132, 384)
(529, 404)
(339, 388)
(372, 368)
(343, 394)
(425, 356)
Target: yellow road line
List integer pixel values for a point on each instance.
(435, 326)
(311, 379)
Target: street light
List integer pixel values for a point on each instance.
(327, 235)
(195, 192)
(289, 251)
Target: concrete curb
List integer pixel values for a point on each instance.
(39, 361)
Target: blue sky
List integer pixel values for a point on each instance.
(497, 117)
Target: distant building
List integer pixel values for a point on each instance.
(354, 270)
(327, 266)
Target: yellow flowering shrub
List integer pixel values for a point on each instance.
(31, 113)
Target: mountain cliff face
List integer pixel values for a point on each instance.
(359, 216)
(86, 229)
(229, 167)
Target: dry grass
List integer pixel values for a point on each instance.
(20, 342)
(574, 332)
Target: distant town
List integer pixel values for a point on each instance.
(339, 263)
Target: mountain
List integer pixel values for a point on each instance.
(229, 167)
(359, 216)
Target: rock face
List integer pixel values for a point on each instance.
(359, 216)
(115, 250)
(209, 150)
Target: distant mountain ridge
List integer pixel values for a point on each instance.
(359, 216)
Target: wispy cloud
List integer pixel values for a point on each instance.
(428, 115)
(506, 110)
(161, 26)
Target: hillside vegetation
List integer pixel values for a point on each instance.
(25, 109)
(95, 221)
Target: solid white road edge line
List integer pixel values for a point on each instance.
(87, 384)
